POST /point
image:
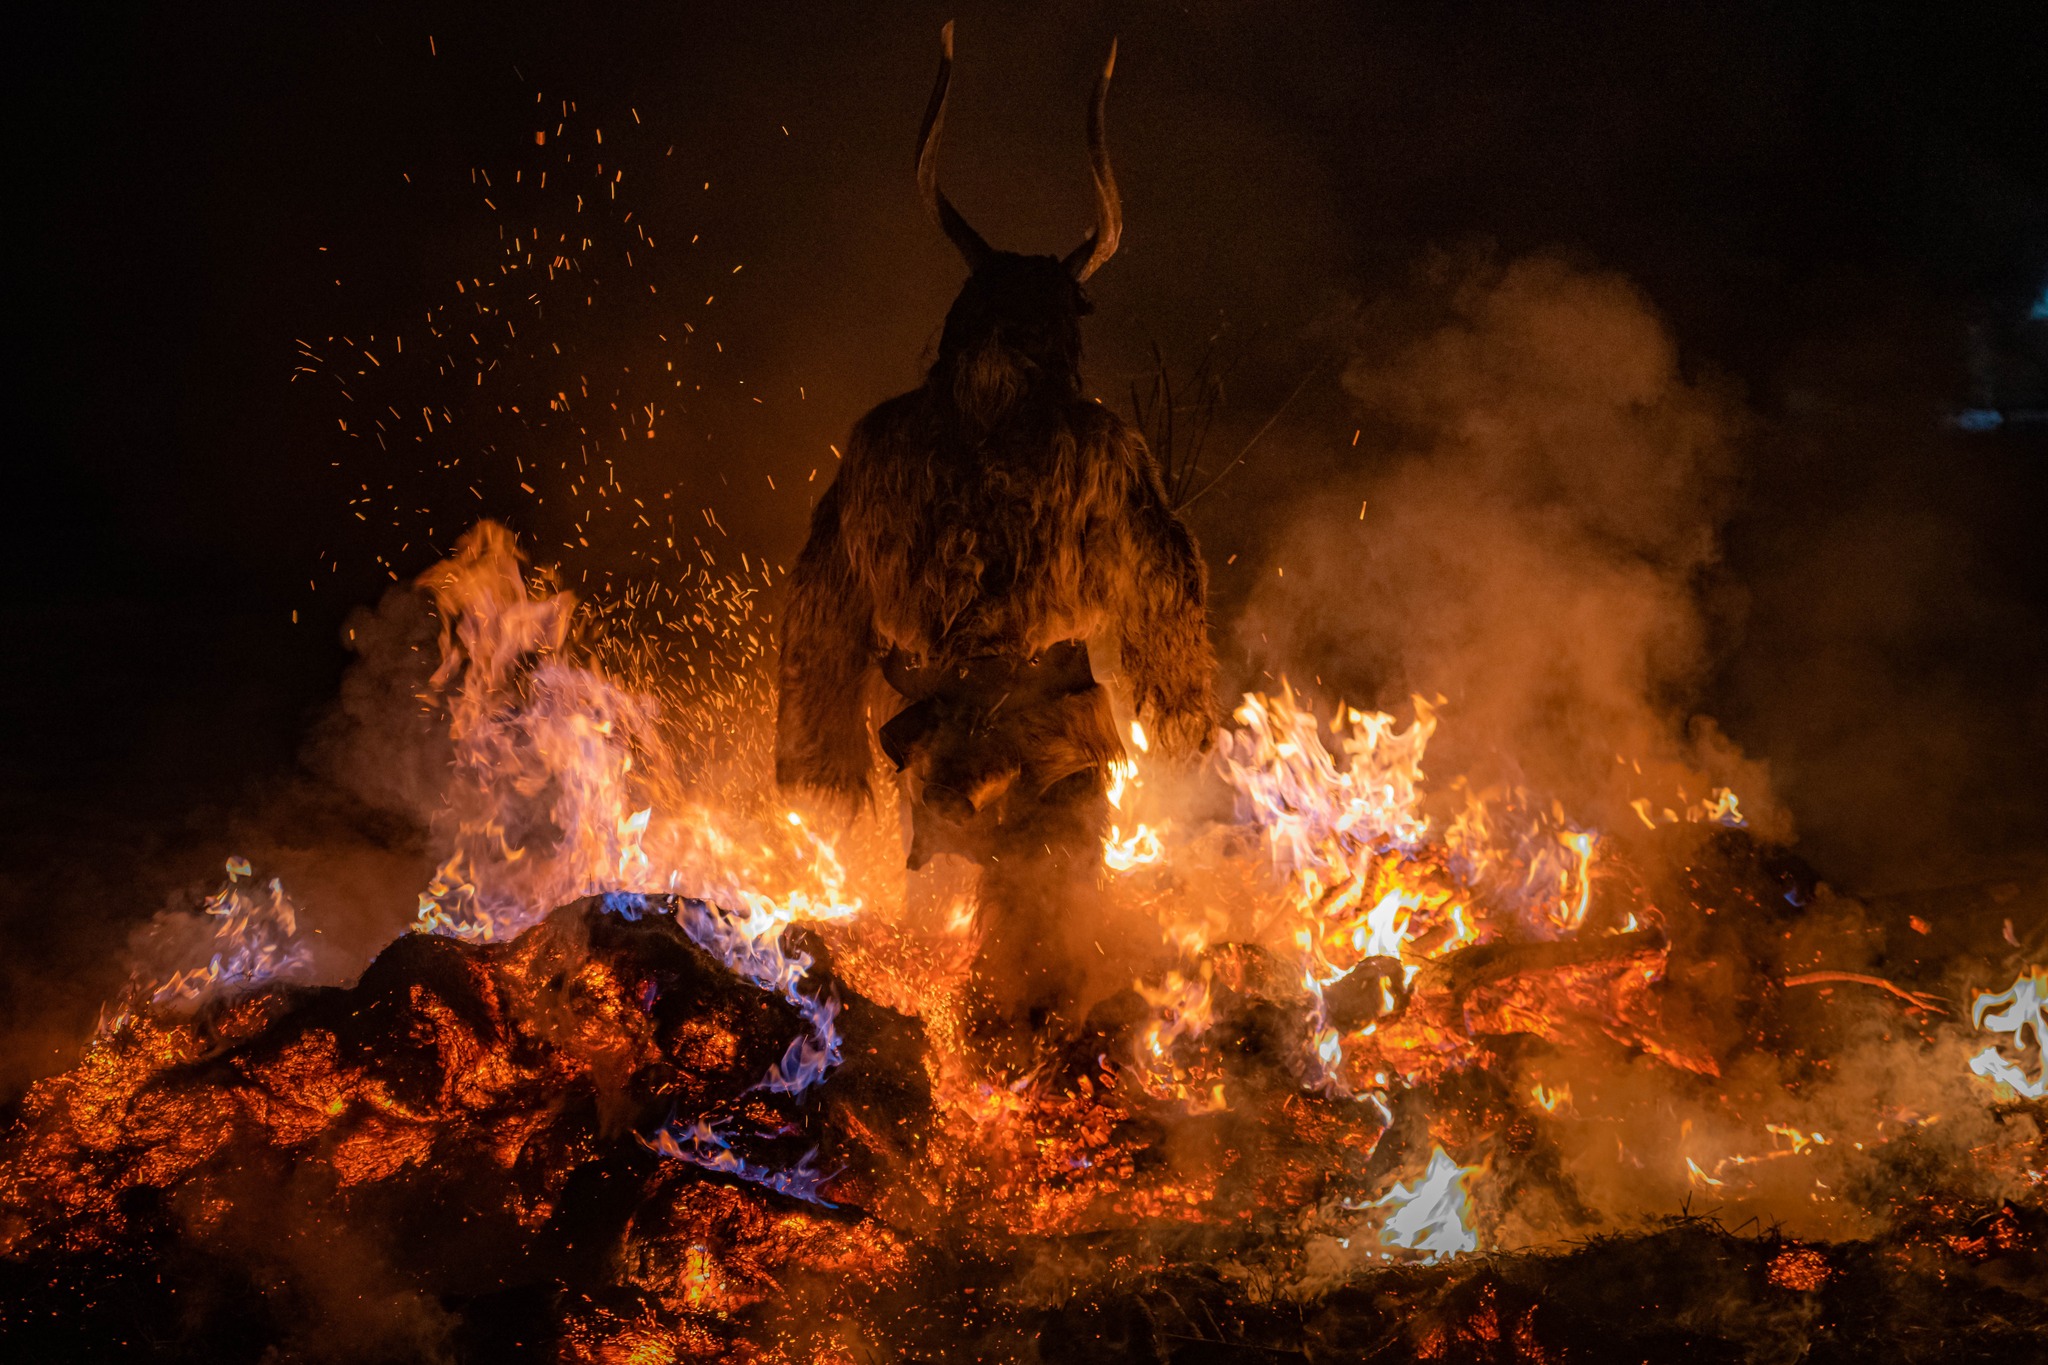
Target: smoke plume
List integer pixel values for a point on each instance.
(1528, 535)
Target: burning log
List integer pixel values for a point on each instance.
(1378, 987)
(1459, 974)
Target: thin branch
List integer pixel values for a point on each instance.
(1915, 999)
(1257, 436)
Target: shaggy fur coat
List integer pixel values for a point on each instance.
(951, 536)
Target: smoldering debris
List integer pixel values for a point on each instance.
(250, 1143)
(560, 1147)
(1360, 1032)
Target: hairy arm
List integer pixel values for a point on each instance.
(828, 650)
(1163, 621)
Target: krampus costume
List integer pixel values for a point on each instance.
(981, 528)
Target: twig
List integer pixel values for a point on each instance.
(1914, 999)
(1257, 436)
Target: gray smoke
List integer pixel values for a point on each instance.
(1527, 533)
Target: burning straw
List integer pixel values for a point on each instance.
(1390, 1044)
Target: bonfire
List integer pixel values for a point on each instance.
(668, 1070)
(1365, 1061)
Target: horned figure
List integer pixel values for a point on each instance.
(981, 529)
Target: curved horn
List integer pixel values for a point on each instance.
(1099, 245)
(940, 207)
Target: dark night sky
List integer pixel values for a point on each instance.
(1843, 214)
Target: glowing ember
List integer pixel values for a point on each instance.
(1800, 1268)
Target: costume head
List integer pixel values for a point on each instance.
(1016, 325)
